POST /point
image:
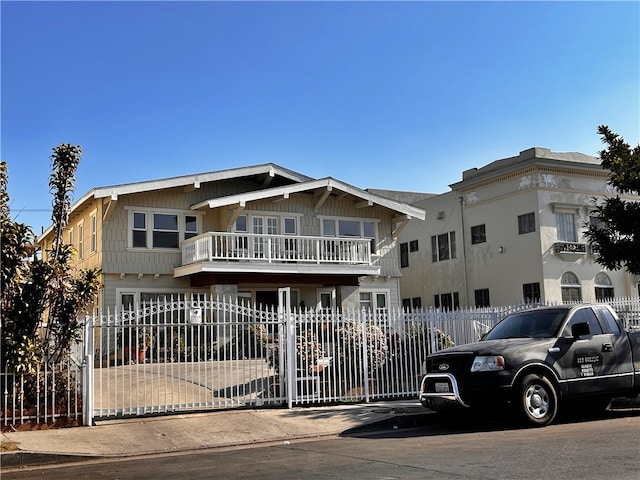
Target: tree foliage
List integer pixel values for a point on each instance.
(41, 299)
(616, 236)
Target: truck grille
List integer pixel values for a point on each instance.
(457, 364)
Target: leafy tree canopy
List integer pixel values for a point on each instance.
(616, 236)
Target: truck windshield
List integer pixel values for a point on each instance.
(530, 324)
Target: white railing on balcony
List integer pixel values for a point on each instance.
(224, 246)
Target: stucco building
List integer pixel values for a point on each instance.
(510, 232)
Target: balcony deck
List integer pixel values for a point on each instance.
(246, 252)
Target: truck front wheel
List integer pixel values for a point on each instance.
(537, 400)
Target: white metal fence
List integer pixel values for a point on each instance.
(202, 353)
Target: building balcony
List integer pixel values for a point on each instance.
(570, 248)
(224, 252)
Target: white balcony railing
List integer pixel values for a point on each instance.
(224, 246)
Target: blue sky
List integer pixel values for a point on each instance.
(392, 95)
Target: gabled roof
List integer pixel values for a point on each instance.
(324, 186)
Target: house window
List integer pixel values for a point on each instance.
(566, 223)
(604, 287)
(139, 230)
(482, 298)
(81, 241)
(478, 234)
(531, 292)
(526, 223)
(290, 226)
(404, 255)
(93, 243)
(350, 228)
(165, 231)
(416, 302)
(373, 300)
(241, 223)
(447, 301)
(71, 239)
(413, 246)
(190, 226)
(161, 229)
(570, 287)
(443, 247)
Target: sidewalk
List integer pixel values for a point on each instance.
(231, 428)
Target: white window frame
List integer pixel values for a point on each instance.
(331, 292)
(149, 228)
(361, 220)
(93, 232)
(566, 226)
(80, 226)
(375, 292)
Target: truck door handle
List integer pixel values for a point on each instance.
(607, 347)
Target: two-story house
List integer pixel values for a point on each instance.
(510, 232)
(241, 233)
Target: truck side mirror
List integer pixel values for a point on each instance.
(580, 330)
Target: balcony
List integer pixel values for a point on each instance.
(570, 248)
(245, 252)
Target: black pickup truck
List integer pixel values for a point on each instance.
(534, 360)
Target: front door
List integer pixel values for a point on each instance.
(263, 226)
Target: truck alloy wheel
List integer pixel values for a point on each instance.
(538, 400)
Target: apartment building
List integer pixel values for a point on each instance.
(510, 232)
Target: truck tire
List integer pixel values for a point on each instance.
(537, 400)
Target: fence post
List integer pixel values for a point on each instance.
(365, 354)
(87, 373)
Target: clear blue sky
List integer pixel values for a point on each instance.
(392, 95)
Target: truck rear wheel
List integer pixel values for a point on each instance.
(537, 400)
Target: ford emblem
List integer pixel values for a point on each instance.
(443, 366)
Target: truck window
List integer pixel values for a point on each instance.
(609, 321)
(584, 315)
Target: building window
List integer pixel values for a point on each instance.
(570, 286)
(93, 242)
(482, 298)
(71, 239)
(139, 230)
(404, 255)
(604, 287)
(414, 303)
(81, 241)
(413, 246)
(597, 222)
(161, 229)
(190, 226)
(165, 231)
(526, 223)
(447, 301)
(531, 292)
(478, 234)
(566, 223)
(443, 247)
(350, 228)
(373, 300)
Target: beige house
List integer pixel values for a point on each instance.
(510, 232)
(241, 233)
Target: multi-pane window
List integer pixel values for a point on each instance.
(447, 301)
(190, 226)
(373, 300)
(165, 231)
(478, 234)
(443, 247)
(139, 230)
(404, 255)
(531, 292)
(526, 223)
(81, 241)
(603, 286)
(482, 298)
(153, 229)
(346, 228)
(570, 287)
(566, 223)
(93, 240)
(414, 303)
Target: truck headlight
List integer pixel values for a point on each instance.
(488, 363)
